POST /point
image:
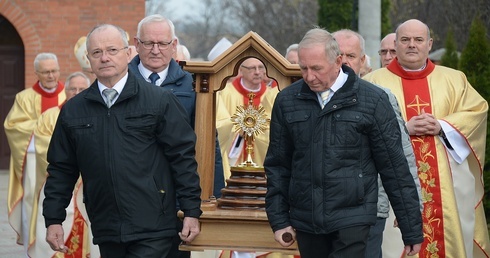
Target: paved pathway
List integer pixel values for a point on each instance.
(8, 246)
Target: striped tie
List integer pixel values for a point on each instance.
(109, 94)
(324, 96)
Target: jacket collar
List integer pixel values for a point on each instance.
(175, 72)
(130, 89)
(349, 85)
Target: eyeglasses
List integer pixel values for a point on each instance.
(111, 51)
(254, 68)
(46, 73)
(150, 44)
(384, 52)
(70, 89)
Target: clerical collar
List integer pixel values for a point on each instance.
(46, 89)
(414, 70)
(146, 73)
(245, 87)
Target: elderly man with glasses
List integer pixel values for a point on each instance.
(387, 50)
(19, 125)
(156, 43)
(236, 93)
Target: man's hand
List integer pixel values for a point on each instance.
(55, 238)
(423, 124)
(278, 236)
(190, 230)
(412, 250)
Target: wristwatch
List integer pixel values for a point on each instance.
(442, 134)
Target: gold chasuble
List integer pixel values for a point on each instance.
(228, 99)
(19, 126)
(78, 239)
(446, 94)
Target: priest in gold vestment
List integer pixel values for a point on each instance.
(446, 118)
(79, 239)
(19, 125)
(249, 80)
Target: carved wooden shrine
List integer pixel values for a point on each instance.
(232, 226)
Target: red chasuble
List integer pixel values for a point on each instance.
(418, 100)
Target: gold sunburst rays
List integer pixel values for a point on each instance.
(250, 121)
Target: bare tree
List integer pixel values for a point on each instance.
(280, 23)
(154, 7)
(442, 15)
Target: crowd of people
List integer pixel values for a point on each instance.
(354, 157)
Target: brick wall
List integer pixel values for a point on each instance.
(56, 25)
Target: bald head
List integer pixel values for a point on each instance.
(413, 44)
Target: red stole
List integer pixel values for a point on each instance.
(76, 239)
(256, 100)
(417, 100)
(48, 100)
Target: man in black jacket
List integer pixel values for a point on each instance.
(135, 151)
(338, 132)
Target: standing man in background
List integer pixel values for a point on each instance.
(292, 54)
(387, 50)
(446, 119)
(19, 125)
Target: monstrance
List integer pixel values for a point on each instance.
(250, 121)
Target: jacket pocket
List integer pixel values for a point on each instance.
(80, 126)
(140, 125)
(161, 195)
(299, 124)
(346, 129)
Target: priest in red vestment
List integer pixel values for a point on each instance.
(446, 119)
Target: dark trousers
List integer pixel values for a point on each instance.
(148, 248)
(344, 243)
(174, 250)
(375, 239)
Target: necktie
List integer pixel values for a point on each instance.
(109, 94)
(153, 78)
(324, 96)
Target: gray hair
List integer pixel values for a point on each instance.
(293, 47)
(350, 33)
(124, 37)
(321, 36)
(156, 18)
(43, 56)
(73, 75)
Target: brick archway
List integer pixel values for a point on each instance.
(30, 38)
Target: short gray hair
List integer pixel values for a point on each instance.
(293, 47)
(351, 33)
(321, 36)
(43, 56)
(156, 18)
(73, 75)
(124, 37)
